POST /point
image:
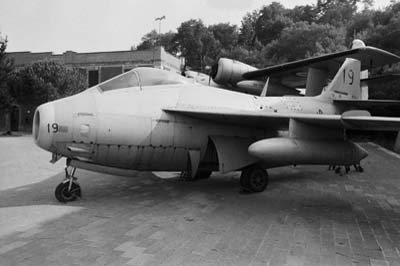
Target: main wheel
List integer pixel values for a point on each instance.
(254, 179)
(63, 194)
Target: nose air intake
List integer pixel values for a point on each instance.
(42, 122)
(36, 124)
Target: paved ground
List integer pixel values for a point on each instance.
(308, 216)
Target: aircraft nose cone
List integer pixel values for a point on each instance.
(44, 126)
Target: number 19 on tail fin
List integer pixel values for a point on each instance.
(346, 83)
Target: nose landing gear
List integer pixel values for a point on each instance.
(69, 189)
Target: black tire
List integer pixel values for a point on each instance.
(338, 170)
(203, 174)
(254, 179)
(63, 195)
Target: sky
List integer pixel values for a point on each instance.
(112, 25)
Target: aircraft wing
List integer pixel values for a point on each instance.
(376, 107)
(358, 120)
(370, 57)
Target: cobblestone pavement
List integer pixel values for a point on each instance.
(307, 216)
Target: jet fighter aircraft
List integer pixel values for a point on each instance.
(154, 120)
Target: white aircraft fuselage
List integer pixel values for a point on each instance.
(127, 128)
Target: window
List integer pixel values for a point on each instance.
(153, 77)
(144, 76)
(125, 80)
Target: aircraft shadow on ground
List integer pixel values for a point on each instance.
(102, 188)
(288, 187)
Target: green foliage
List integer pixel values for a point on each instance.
(379, 28)
(44, 81)
(305, 13)
(271, 22)
(151, 39)
(310, 39)
(336, 12)
(275, 34)
(196, 43)
(225, 34)
(6, 68)
(247, 31)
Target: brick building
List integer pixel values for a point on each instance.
(96, 66)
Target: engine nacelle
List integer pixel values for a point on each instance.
(287, 151)
(229, 72)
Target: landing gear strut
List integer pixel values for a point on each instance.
(254, 179)
(69, 189)
(201, 174)
(338, 169)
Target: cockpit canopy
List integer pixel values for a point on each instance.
(142, 77)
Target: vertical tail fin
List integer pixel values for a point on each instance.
(346, 83)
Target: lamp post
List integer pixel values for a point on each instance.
(159, 27)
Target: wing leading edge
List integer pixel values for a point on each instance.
(357, 120)
(370, 57)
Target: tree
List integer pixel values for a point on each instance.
(6, 68)
(360, 25)
(196, 43)
(168, 42)
(307, 13)
(226, 35)
(338, 12)
(45, 81)
(384, 30)
(151, 39)
(247, 31)
(310, 39)
(271, 21)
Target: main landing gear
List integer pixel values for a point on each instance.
(254, 179)
(69, 189)
(201, 174)
(338, 168)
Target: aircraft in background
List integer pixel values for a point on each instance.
(153, 120)
(297, 78)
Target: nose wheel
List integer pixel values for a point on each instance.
(69, 189)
